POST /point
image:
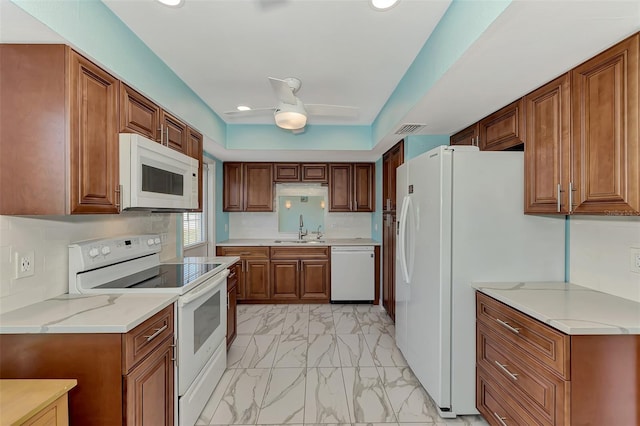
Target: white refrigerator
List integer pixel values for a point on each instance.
(461, 220)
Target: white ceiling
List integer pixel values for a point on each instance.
(345, 53)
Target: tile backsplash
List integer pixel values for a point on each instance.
(265, 225)
(49, 236)
(599, 254)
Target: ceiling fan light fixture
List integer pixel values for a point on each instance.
(291, 117)
(172, 3)
(382, 5)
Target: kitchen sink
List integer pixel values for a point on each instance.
(299, 241)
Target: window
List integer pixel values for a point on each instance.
(194, 225)
(193, 229)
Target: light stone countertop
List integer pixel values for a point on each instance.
(95, 313)
(82, 313)
(290, 242)
(569, 308)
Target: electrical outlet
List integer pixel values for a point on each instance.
(634, 255)
(25, 264)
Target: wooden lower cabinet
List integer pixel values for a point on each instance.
(531, 374)
(148, 389)
(281, 274)
(117, 384)
(285, 280)
(253, 271)
(232, 302)
(315, 280)
(300, 274)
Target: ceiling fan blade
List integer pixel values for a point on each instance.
(332, 110)
(283, 91)
(248, 113)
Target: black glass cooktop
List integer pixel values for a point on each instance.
(163, 276)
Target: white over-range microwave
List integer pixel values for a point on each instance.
(155, 177)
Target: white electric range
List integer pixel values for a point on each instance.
(132, 265)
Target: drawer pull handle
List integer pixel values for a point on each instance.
(500, 419)
(514, 376)
(506, 324)
(158, 331)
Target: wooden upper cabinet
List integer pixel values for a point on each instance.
(138, 114)
(547, 151)
(174, 132)
(233, 193)
(503, 129)
(468, 136)
(315, 172)
(606, 151)
(194, 150)
(94, 138)
(286, 172)
(364, 195)
(248, 187)
(258, 187)
(340, 187)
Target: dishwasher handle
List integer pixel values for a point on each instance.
(346, 249)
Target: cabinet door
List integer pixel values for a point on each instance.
(232, 316)
(314, 279)
(547, 162)
(468, 136)
(256, 279)
(340, 187)
(94, 138)
(138, 114)
(148, 389)
(364, 194)
(258, 187)
(287, 172)
(175, 133)
(233, 194)
(194, 150)
(503, 129)
(284, 280)
(605, 148)
(390, 162)
(314, 172)
(389, 264)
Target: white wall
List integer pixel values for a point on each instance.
(599, 254)
(49, 236)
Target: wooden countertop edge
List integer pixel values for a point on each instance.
(14, 402)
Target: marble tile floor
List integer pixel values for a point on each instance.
(329, 365)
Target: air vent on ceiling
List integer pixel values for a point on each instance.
(408, 129)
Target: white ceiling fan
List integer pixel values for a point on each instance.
(291, 113)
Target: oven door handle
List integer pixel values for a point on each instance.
(203, 289)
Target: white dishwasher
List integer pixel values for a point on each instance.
(352, 273)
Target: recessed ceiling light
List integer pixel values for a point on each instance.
(243, 108)
(383, 4)
(172, 3)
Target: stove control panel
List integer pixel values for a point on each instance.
(87, 255)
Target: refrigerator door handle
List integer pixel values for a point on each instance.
(402, 239)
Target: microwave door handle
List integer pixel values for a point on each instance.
(202, 289)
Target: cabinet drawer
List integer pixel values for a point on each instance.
(497, 407)
(299, 252)
(539, 392)
(537, 340)
(245, 252)
(234, 272)
(143, 339)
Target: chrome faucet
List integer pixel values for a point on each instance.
(300, 233)
(319, 233)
